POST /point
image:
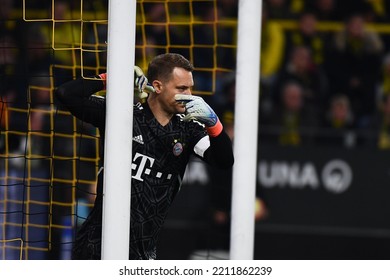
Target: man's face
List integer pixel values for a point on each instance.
(292, 98)
(181, 82)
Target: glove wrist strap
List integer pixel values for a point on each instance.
(103, 76)
(215, 130)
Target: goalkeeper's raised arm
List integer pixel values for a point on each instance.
(196, 109)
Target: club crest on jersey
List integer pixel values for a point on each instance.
(177, 148)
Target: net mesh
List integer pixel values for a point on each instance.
(49, 159)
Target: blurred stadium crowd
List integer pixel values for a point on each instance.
(326, 86)
(325, 64)
(324, 74)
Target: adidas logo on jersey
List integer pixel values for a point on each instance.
(138, 139)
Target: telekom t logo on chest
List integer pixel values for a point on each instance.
(145, 163)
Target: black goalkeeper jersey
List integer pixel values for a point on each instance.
(160, 156)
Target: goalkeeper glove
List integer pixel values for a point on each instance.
(141, 86)
(140, 83)
(198, 109)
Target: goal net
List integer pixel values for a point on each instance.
(49, 159)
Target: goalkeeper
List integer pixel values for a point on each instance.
(168, 127)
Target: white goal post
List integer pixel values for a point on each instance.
(245, 129)
(119, 129)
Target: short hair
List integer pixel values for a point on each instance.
(161, 66)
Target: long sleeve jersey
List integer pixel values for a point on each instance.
(159, 159)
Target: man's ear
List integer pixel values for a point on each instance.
(157, 85)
